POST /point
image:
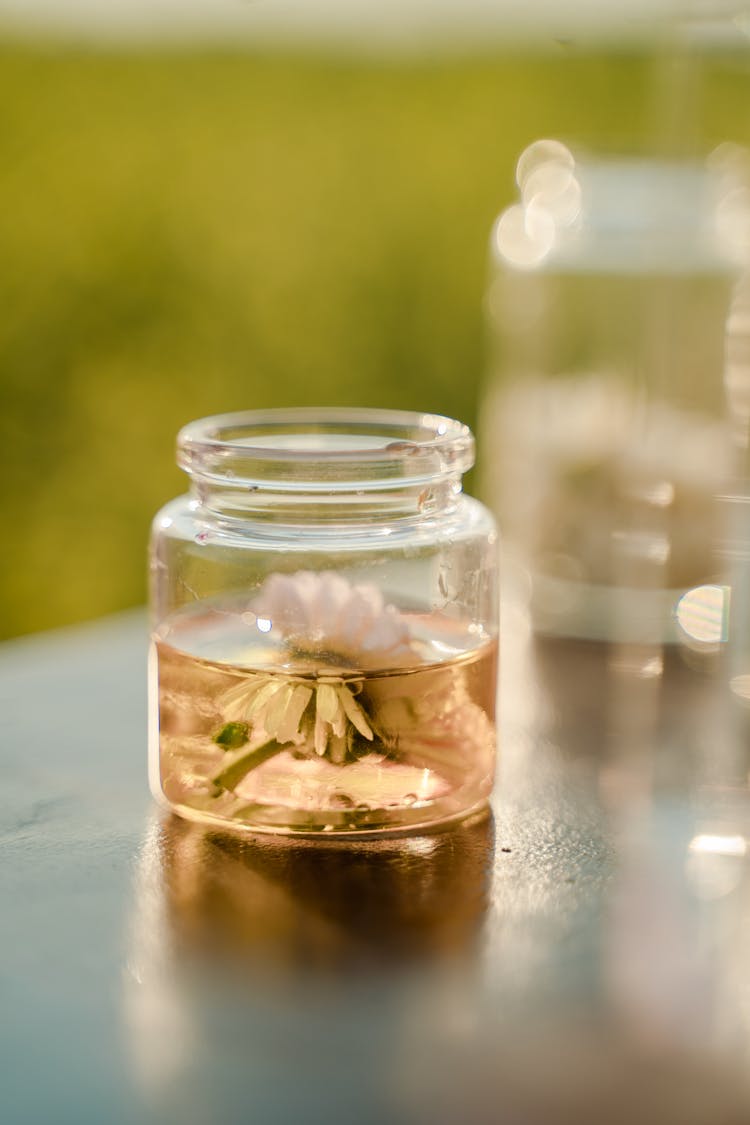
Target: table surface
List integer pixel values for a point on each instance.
(580, 955)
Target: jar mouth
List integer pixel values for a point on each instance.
(324, 449)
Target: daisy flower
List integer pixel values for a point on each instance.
(326, 621)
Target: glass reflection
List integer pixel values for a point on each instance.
(245, 953)
(300, 906)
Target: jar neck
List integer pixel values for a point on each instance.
(332, 467)
(346, 506)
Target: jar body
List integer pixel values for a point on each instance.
(331, 671)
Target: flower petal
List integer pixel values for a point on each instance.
(244, 690)
(354, 712)
(269, 689)
(295, 709)
(326, 702)
(321, 735)
(275, 711)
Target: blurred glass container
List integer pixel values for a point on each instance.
(324, 625)
(603, 420)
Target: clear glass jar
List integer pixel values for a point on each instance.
(324, 612)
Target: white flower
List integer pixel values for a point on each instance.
(325, 615)
(323, 712)
(330, 626)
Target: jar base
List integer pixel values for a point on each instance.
(331, 831)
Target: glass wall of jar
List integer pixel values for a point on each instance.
(324, 625)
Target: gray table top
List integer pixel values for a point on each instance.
(583, 954)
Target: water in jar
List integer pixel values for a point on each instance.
(322, 719)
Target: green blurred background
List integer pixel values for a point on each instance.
(185, 232)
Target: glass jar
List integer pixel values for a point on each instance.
(604, 411)
(324, 625)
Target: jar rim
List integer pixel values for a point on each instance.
(328, 447)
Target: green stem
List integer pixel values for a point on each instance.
(233, 774)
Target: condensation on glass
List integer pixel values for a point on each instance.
(324, 625)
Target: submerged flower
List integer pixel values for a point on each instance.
(329, 626)
(322, 713)
(325, 616)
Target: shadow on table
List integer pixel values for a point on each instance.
(280, 904)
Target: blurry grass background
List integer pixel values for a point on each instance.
(186, 232)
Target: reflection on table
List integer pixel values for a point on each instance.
(580, 956)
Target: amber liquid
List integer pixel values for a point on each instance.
(430, 757)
